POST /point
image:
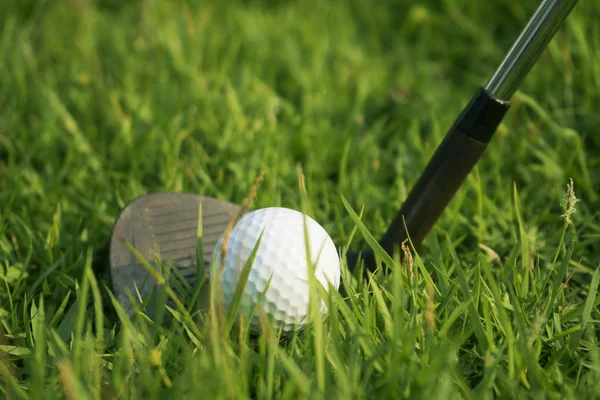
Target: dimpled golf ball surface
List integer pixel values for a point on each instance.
(282, 255)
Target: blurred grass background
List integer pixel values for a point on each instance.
(103, 101)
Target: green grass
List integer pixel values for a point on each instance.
(102, 102)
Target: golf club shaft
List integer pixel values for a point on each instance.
(528, 47)
(467, 140)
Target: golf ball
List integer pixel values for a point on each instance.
(281, 256)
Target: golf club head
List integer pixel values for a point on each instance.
(163, 226)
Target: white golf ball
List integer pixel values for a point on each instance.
(281, 257)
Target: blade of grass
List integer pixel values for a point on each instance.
(233, 308)
(200, 270)
(587, 310)
(372, 242)
(82, 302)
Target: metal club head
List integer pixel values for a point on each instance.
(163, 226)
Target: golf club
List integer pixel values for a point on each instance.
(165, 225)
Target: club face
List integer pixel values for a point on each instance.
(163, 226)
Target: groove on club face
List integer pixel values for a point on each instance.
(164, 225)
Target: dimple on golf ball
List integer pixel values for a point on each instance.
(281, 256)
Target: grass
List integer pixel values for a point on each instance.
(101, 102)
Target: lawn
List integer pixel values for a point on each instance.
(102, 102)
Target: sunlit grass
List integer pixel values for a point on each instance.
(102, 102)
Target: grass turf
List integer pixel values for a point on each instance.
(102, 102)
